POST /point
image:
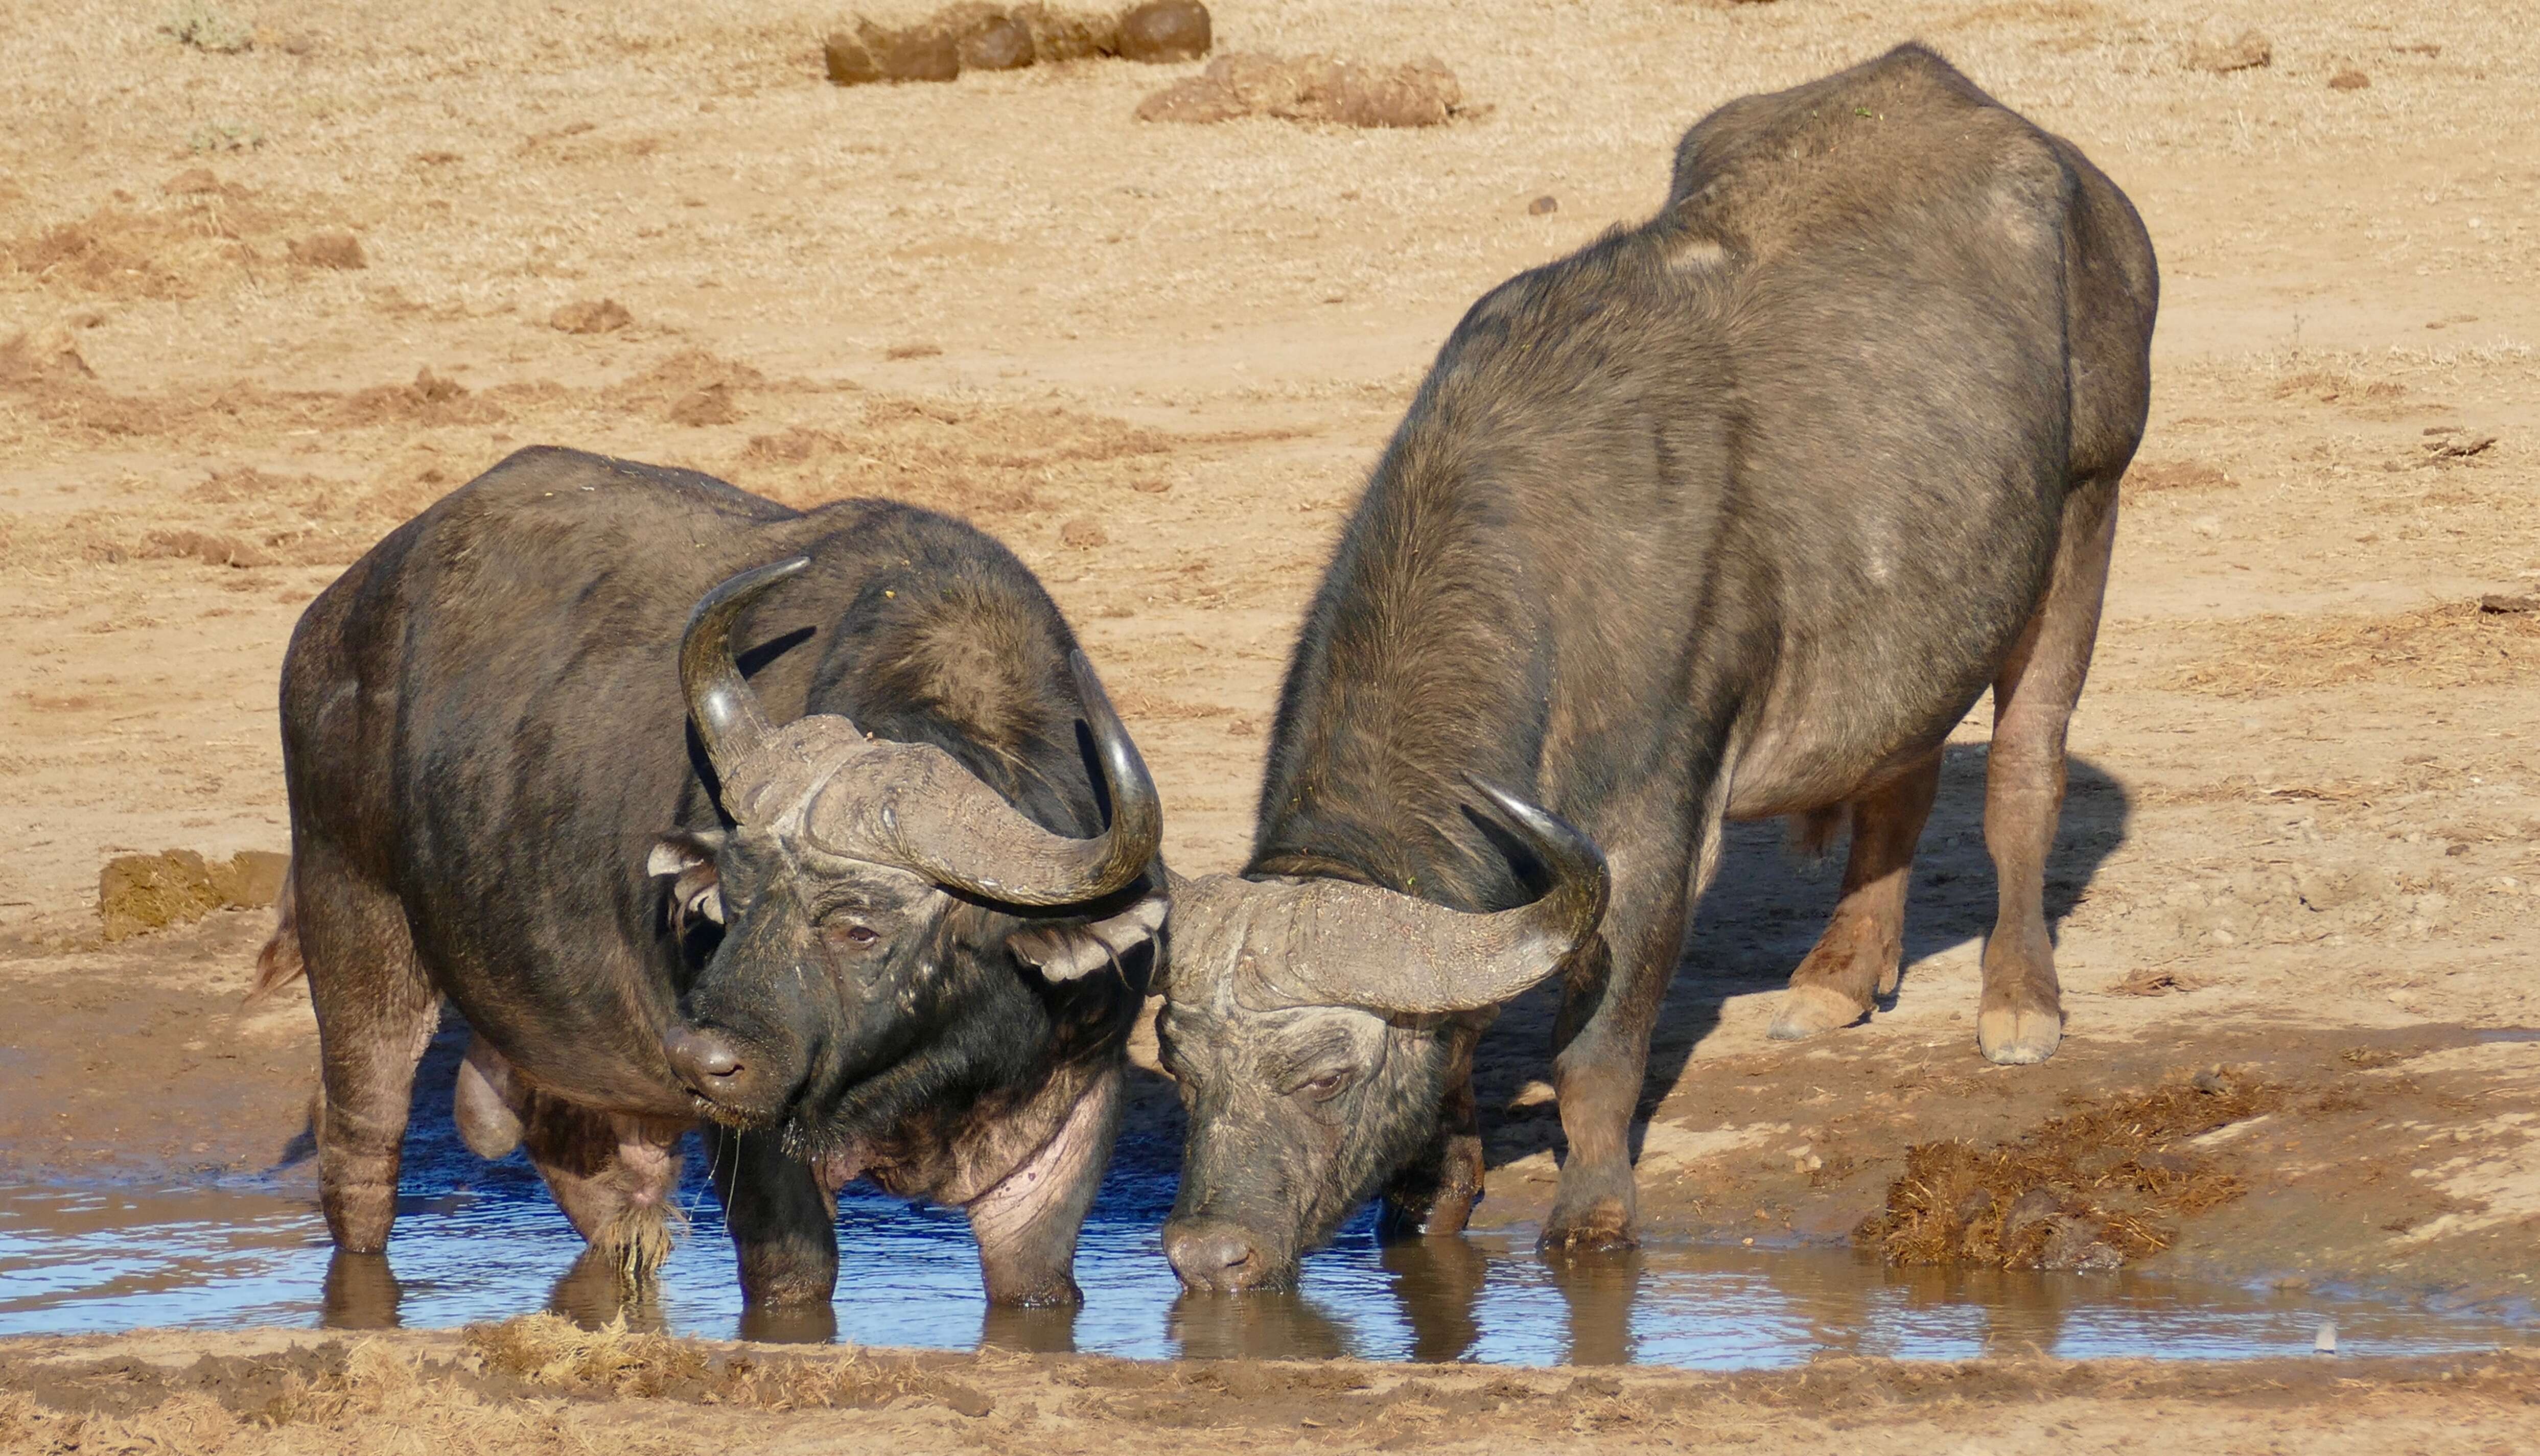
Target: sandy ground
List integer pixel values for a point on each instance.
(538, 1385)
(1157, 359)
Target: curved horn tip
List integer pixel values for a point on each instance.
(745, 585)
(1137, 811)
(725, 711)
(1530, 814)
(1551, 832)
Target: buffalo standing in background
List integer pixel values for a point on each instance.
(1731, 514)
(495, 797)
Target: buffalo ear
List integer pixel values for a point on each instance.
(1071, 950)
(689, 857)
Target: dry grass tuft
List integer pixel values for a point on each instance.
(330, 1400)
(555, 1354)
(2452, 645)
(2249, 51)
(203, 28)
(200, 240)
(2090, 1190)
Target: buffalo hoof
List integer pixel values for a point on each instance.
(2018, 1037)
(1807, 1011)
(1602, 1228)
(1053, 1291)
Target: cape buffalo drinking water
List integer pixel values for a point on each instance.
(1731, 515)
(930, 950)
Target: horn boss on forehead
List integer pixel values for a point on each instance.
(910, 805)
(1332, 942)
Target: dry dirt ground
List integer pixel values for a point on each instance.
(538, 1384)
(1157, 359)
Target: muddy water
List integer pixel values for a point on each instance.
(477, 1241)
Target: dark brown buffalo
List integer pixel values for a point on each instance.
(1731, 515)
(879, 874)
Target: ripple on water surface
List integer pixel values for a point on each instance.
(480, 1241)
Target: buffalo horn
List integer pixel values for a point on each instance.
(720, 701)
(1397, 953)
(959, 832)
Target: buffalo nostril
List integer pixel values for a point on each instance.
(1215, 1258)
(701, 1056)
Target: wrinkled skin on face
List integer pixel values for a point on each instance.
(844, 997)
(1320, 1024)
(827, 970)
(1298, 1115)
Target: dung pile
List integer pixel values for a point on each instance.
(140, 893)
(1311, 87)
(2094, 1189)
(979, 37)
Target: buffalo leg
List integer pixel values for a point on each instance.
(1858, 957)
(1026, 1224)
(1437, 1193)
(615, 1177)
(784, 1225)
(2021, 1017)
(1609, 1002)
(376, 1014)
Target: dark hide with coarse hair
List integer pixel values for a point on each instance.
(497, 797)
(1731, 515)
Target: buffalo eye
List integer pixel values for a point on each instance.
(849, 937)
(1325, 1087)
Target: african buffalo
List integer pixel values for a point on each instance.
(1731, 515)
(880, 873)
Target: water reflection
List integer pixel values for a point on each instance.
(816, 1324)
(483, 1243)
(592, 1292)
(1258, 1325)
(1030, 1331)
(1438, 1283)
(360, 1293)
(1597, 1291)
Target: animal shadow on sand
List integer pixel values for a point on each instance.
(1766, 908)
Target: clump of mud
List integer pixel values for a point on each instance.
(976, 36)
(140, 893)
(2099, 1187)
(1311, 87)
(591, 315)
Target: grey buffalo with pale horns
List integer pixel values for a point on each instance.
(1733, 515)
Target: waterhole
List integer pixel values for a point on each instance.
(482, 1241)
